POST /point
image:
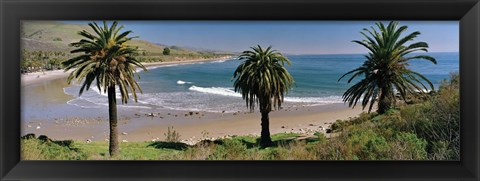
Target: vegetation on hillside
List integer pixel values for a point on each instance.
(166, 51)
(47, 41)
(33, 61)
(433, 126)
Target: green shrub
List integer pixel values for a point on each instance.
(340, 125)
(198, 152)
(293, 150)
(438, 120)
(407, 146)
(35, 149)
(230, 150)
(376, 148)
(321, 137)
(275, 153)
(166, 51)
(441, 151)
(171, 135)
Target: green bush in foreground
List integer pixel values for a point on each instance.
(37, 149)
(426, 130)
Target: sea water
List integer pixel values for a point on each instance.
(208, 86)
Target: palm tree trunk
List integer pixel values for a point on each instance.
(112, 113)
(265, 140)
(384, 102)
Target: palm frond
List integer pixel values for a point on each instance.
(386, 65)
(262, 79)
(105, 59)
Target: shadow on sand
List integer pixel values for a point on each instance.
(182, 146)
(169, 145)
(45, 139)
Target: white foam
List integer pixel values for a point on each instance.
(192, 101)
(66, 92)
(229, 92)
(182, 63)
(101, 92)
(216, 90)
(321, 100)
(75, 102)
(91, 104)
(142, 107)
(395, 91)
(95, 98)
(181, 82)
(221, 60)
(199, 99)
(155, 67)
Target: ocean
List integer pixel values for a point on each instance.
(208, 86)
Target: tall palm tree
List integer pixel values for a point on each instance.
(386, 68)
(263, 79)
(106, 59)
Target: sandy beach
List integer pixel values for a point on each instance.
(71, 122)
(192, 128)
(39, 77)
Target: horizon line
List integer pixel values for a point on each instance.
(359, 53)
(346, 53)
(239, 52)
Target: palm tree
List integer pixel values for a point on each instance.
(106, 58)
(262, 79)
(386, 68)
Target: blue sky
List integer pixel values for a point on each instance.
(289, 37)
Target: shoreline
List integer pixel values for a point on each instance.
(39, 77)
(81, 124)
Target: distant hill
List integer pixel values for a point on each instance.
(55, 36)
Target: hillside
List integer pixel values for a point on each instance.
(39, 37)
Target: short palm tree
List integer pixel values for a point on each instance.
(106, 59)
(386, 68)
(263, 79)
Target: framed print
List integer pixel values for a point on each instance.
(247, 90)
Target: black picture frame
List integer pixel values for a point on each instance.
(13, 11)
